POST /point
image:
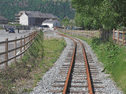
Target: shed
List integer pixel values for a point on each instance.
(51, 23)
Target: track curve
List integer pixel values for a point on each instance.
(76, 74)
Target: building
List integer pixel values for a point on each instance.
(51, 23)
(33, 18)
(3, 20)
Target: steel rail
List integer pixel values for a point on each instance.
(87, 68)
(71, 65)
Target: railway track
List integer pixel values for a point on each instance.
(79, 74)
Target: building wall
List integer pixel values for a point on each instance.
(38, 21)
(57, 24)
(52, 25)
(49, 24)
(4, 21)
(31, 21)
(24, 19)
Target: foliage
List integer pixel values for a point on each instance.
(101, 13)
(113, 58)
(8, 8)
(65, 21)
(79, 20)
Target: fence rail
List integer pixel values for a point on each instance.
(27, 42)
(85, 33)
(119, 36)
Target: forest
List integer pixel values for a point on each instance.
(61, 9)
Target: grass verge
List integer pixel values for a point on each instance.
(24, 75)
(113, 58)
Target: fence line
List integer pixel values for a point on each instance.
(119, 36)
(88, 34)
(28, 40)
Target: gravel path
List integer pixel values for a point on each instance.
(49, 77)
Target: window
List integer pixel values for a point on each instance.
(5, 21)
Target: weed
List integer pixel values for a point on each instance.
(27, 90)
(39, 58)
(20, 69)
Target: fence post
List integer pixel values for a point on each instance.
(34, 34)
(118, 37)
(89, 34)
(15, 46)
(24, 43)
(21, 48)
(123, 38)
(92, 34)
(29, 38)
(99, 33)
(113, 34)
(6, 54)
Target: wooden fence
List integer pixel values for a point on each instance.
(119, 36)
(25, 43)
(85, 33)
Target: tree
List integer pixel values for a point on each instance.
(65, 21)
(105, 13)
(79, 20)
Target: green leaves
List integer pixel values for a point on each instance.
(65, 21)
(107, 13)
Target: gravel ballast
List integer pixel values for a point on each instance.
(49, 77)
(110, 85)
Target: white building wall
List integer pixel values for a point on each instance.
(49, 24)
(24, 19)
(52, 25)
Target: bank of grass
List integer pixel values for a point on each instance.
(24, 75)
(113, 58)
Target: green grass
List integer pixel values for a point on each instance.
(24, 75)
(113, 58)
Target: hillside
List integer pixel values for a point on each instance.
(60, 8)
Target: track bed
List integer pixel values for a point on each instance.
(79, 74)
